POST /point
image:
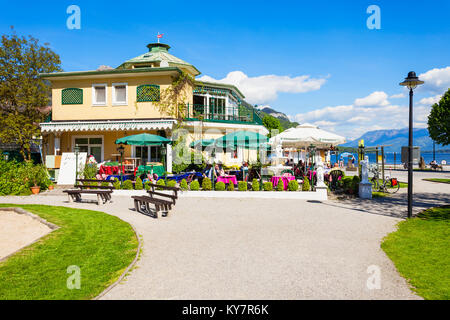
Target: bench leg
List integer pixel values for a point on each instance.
(99, 200)
(137, 206)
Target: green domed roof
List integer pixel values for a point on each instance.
(158, 56)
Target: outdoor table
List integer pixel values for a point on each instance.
(285, 179)
(227, 179)
(159, 170)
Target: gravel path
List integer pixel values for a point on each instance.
(254, 249)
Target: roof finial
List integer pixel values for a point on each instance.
(159, 36)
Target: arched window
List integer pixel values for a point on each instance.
(72, 96)
(148, 93)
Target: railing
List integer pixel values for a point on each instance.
(222, 114)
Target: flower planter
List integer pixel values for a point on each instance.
(51, 187)
(35, 190)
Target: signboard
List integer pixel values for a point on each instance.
(415, 152)
(68, 166)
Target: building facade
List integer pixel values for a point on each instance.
(92, 109)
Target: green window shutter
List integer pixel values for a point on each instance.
(72, 96)
(148, 93)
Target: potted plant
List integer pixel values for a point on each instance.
(51, 186)
(36, 176)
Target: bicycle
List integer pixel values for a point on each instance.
(389, 185)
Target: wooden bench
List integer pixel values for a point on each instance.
(95, 183)
(155, 186)
(142, 205)
(103, 196)
(88, 187)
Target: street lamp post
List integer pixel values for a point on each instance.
(76, 149)
(163, 154)
(121, 151)
(411, 82)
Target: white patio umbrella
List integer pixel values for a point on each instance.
(305, 135)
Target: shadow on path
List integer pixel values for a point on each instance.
(395, 205)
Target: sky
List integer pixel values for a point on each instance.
(316, 61)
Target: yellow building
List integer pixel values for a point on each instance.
(92, 109)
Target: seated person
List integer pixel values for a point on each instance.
(244, 170)
(220, 171)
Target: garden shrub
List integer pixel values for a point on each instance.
(195, 185)
(242, 186)
(268, 186)
(127, 185)
(147, 185)
(280, 186)
(116, 184)
(293, 185)
(171, 183)
(306, 186)
(16, 178)
(230, 186)
(355, 182)
(138, 184)
(160, 182)
(220, 186)
(206, 184)
(255, 185)
(184, 185)
(105, 184)
(89, 171)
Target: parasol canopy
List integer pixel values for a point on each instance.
(144, 139)
(247, 139)
(305, 135)
(202, 142)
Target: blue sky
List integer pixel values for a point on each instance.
(310, 60)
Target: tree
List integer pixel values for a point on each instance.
(272, 123)
(439, 120)
(23, 94)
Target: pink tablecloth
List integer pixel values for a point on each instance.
(227, 179)
(286, 180)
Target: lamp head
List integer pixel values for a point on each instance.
(121, 149)
(412, 81)
(76, 149)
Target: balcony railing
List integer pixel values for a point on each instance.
(223, 114)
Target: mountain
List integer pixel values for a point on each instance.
(397, 138)
(284, 120)
(272, 112)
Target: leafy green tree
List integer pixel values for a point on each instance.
(272, 123)
(23, 94)
(439, 120)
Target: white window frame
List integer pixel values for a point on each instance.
(149, 152)
(90, 136)
(94, 97)
(240, 154)
(119, 103)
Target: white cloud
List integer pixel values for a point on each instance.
(375, 99)
(263, 89)
(430, 100)
(436, 80)
(397, 96)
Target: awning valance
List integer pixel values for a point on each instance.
(77, 126)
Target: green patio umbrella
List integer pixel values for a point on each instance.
(144, 139)
(203, 142)
(246, 139)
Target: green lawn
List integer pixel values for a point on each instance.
(420, 251)
(438, 180)
(101, 245)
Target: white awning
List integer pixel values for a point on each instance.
(119, 125)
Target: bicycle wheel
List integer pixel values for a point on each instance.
(375, 184)
(392, 185)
